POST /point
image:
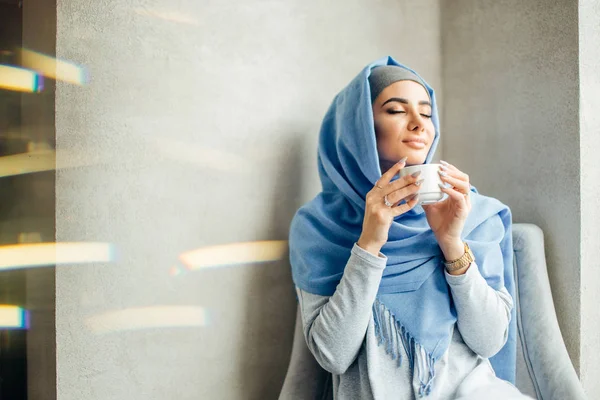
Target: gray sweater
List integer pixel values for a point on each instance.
(340, 333)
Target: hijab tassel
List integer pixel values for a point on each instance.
(392, 335)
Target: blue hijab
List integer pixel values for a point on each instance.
(413, 307)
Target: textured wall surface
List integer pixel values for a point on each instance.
(589, 76)
(511, 119)
(198, 127)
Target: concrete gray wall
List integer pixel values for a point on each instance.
(515, 119)
(589, 104)
(199, 127)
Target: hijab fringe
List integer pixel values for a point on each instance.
(391, 333)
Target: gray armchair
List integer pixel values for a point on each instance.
(544, 370)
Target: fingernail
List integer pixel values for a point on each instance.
(418, 183)
(413, 197)
(442, 173)
(403, 160)
(443, 168)
(444, 163)
(442, 185)
(415, 174)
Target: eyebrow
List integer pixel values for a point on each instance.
(404, 101)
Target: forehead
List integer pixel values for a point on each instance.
(409, 90)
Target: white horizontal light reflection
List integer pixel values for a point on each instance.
(26, 163)
(41, 159)
(148, 317)
(60, 70)
(20, 79)
(13, 317)
(42, 254)
(234, 254)
(172, 16)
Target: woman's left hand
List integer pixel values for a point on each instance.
(447, 218)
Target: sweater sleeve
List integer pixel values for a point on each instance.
(335, 327)
(483, 313)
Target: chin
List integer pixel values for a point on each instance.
(415, 159)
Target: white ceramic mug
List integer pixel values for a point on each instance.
(430, 191)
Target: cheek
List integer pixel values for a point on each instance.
(386, 129)
(385, 138)
(430, 131)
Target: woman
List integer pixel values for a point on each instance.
(400, 300)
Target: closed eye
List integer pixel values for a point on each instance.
(404, 112)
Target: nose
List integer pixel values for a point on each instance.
(416, 123)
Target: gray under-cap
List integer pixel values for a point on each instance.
(383, 76)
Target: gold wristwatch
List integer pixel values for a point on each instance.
(462, 262)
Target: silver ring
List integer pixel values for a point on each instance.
(385, 200)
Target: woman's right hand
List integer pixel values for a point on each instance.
(379, 217)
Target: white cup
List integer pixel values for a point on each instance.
(430, 191)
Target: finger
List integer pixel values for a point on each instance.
(405, 193)
(405, 207)
(456, 196)
(401, 183)
(390, 173)
(459, 184)
(452, 170)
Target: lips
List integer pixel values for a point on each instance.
(415, 143)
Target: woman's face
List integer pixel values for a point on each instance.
(403, 126)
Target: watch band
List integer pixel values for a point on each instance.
(463, 261)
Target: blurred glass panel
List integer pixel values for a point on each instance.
(27, 177)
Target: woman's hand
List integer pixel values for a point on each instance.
(447, 218)
(379, 216)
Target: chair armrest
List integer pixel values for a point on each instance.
(544, 350)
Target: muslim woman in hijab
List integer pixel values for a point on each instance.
(401, 300)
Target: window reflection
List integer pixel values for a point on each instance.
(233, 254)
(50, 254)
(132, 319)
